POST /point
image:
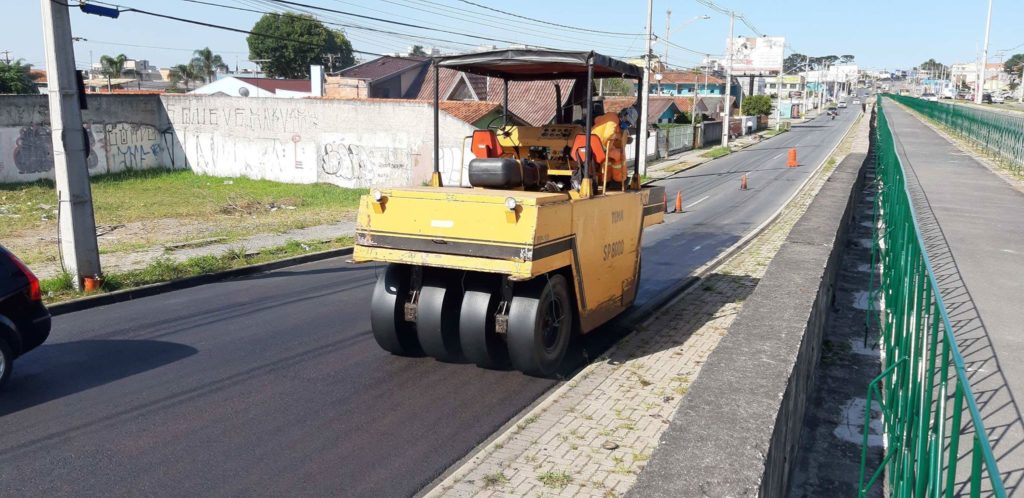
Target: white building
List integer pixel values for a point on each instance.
(234, 86)
(967, 74)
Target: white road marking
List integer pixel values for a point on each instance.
(695, 249)
(702, 199)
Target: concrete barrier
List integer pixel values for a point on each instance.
(737, 429)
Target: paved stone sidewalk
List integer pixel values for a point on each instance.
(594, 435)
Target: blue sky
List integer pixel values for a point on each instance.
(881, 34)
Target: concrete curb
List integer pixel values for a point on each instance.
(184, 283)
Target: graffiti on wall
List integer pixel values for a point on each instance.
(363, 165)
(119, 146)
(260, 118)
(132, 146)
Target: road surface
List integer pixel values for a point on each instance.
(273, 385)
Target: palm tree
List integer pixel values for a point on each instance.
(208, 63)
(186, 73)
(112, 67)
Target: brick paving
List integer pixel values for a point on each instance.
(595, 433)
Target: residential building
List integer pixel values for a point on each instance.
(387, 77)
(687, 83)
(792, 85)
(235, 86)
(966, 75)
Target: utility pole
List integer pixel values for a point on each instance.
(668, 31)
(641, 132)
(76, 223)
(1020, 84)
(984, 57)
(728, 80)
(778, 101)
(807, 67)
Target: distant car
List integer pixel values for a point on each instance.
(24, 320)
(986, 98)
(931, 97)
(856, 101)
(998, 99)
(842, 104)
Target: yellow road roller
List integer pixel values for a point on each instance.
(543, 245)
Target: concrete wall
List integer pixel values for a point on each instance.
(343, 142)
(736, 431)
(124, 132)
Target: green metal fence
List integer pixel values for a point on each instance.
(935, 442)
(1001, 133)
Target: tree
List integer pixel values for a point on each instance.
(617, 86)
(186, 73)
(208, 63)
(16, 77)
(112, 67)
(292, 42)
(932, 66)
(417, 50)
(846, 59)
(756, 105)
(794, 62)
(1013, 64)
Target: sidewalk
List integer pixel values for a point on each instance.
(692, 158)
(974, 232)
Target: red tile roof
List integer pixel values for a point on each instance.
(38, 76)
(383, 67)
(469, 111)
(656, 105)
(273, 85)
(689, 77)
(531, 101)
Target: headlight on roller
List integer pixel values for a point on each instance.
(510, 203)
(377, 195)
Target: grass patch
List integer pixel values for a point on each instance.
(495, 479)
(60, 288)
(223, 206)
(716, 152)
(555, 480)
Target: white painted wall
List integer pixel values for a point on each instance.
(342, 142)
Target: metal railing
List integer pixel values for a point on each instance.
(923, 393)
(1001, 133)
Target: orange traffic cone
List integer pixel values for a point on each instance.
(743, 182)
(679, 202)
(792, 158)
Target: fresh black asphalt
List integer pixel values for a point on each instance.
(273, 385)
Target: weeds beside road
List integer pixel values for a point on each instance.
(145, 208)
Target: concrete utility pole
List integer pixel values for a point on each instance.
(76, 224)
(668, 35)
(728, 81)
(984, 57)
(1020, 84)
(778, 102)
(644, 90)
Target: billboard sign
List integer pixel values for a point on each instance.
(753, 55)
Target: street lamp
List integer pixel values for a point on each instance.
(679, 27)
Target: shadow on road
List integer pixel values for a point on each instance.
(54, 371)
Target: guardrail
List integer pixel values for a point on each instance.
(1001, 133)
(923, 392)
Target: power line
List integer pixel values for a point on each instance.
(218, 26)
(343, 25)
(399, 23)
(492, 9)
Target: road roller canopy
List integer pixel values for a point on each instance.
(538, 65)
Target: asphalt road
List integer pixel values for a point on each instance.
(273, 385)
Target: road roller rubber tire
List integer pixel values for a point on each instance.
(539, 325)
(480, 342)
(387, 312)
(437, 315)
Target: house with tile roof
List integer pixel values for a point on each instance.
(385, 77)
(238, 86)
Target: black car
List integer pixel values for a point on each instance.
(986, 98)
(24, 320)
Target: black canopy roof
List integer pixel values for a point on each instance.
(536, 64)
